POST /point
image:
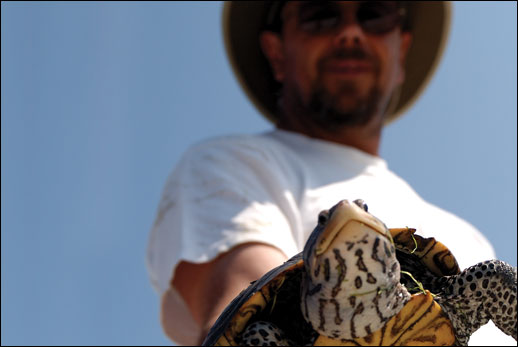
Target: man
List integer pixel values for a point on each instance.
(330, 75)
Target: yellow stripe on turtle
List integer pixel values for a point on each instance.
(238, 323)
(434, 254)
(223, 341)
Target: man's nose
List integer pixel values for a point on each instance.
(349, 34)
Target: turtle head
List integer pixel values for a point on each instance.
(344, 222)
(351, 283)
(332, 222)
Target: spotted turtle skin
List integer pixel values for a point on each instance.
(359, 283)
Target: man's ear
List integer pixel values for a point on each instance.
(271, 44)
(406, 41)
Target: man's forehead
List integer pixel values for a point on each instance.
(295, 5)
(306, 4)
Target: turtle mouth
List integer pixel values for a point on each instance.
(343, 214)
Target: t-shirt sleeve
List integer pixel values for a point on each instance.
(221, 194)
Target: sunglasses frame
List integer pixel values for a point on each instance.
(275, 23)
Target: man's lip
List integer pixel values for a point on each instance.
(348, 66)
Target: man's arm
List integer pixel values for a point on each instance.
(208, 288)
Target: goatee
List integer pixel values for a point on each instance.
(325, 110)
(342, 107)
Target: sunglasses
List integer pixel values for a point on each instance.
(374, 17)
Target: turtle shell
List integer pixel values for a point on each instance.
(267, 296)
(426, 253)
(275, 297)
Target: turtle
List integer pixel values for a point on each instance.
(359, 283)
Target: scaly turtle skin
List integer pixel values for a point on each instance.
(358, 283)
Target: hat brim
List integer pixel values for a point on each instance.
(242, 23)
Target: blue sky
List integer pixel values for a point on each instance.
(99, 101)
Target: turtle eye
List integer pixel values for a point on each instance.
(361, 204)
(323, 217)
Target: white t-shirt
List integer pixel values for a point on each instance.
(270, 188)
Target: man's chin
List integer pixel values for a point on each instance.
(344, 109)
(346, 97)
(347, 87)
(349, 107)
(346, 104)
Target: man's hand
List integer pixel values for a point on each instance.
(208, 288)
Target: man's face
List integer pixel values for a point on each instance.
(339, 62)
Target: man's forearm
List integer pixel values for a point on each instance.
(209, 287)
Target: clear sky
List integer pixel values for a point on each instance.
(99, 100)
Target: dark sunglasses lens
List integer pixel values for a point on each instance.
(378, 17)
(317, 17)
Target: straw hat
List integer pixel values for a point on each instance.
(243, 20)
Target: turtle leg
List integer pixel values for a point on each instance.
(262, 333)
(484, 291)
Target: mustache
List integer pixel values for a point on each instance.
(348, 53)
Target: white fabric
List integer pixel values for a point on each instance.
(270, 188)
